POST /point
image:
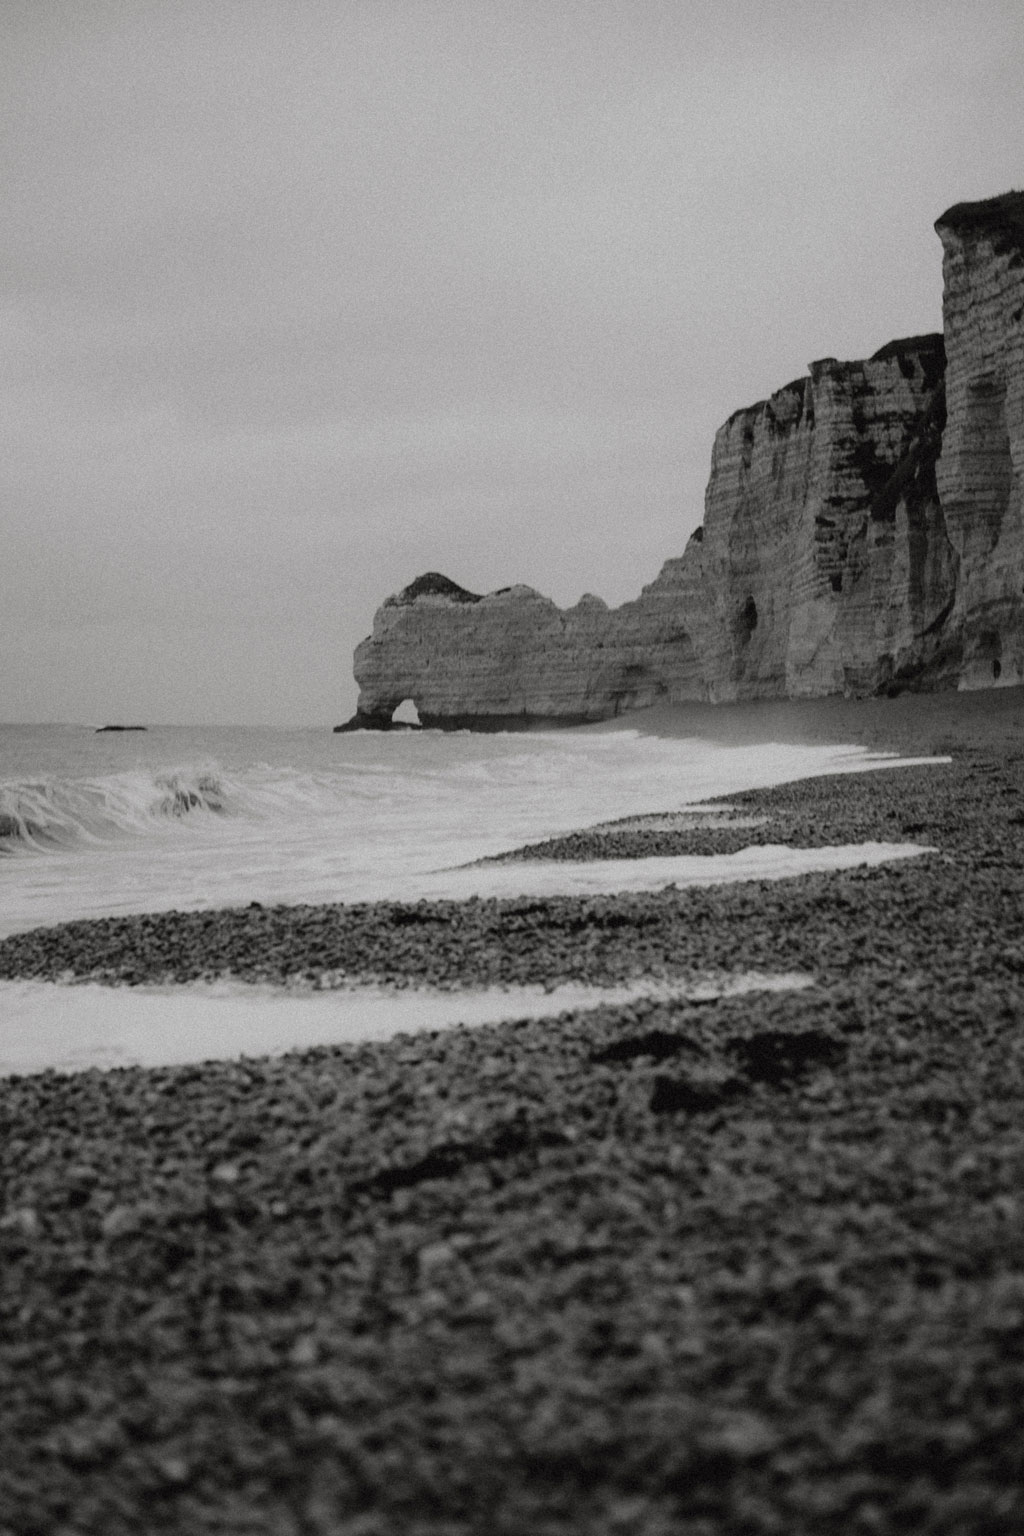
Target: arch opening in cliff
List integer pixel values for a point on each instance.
(406, 714)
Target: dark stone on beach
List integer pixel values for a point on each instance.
(655, 1045)
(778, 1057)
(691, 1095)
(452, 1158)
(101, 728)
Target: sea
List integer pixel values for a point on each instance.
(95, 823)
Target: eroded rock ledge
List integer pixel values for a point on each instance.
(863, 533)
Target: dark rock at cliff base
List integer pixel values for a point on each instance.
(467, 722)
(376, 722)
(863, 534)
(364, 720)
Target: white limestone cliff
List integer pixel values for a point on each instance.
(841, 550)
(981, 470)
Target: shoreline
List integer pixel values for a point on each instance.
(925, 723)
(753, 1263)
(300, 840)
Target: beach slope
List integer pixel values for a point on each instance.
(752, 1265)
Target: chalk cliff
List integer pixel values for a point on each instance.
(980, 472)
(863, 531)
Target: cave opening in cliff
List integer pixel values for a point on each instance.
(747, 621)
(990, 649)
(405, 713)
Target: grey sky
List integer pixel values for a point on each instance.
(299, 300)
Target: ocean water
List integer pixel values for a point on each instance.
(94, 824)
(102, 823)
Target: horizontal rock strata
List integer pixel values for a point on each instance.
(979, 473)
(863, 533)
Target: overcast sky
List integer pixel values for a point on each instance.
(299, 300)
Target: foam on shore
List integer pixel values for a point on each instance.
(72, 1028)
(610, 877)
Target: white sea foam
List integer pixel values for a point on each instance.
(109, 824)
(70, 1029)
(595, 877)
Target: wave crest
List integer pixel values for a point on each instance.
(42, 814)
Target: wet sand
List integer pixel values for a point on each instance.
(748, 1265)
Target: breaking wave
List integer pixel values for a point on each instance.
(43, 814)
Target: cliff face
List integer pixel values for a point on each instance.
(981, 468)
(466, 659)
(820, 515)
(863, 531)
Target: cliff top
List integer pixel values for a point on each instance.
(999, 218)
(906, 346)
(928, 352)
(796, 388)
(433, 584)
(930, 349)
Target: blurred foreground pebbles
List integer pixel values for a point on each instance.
(754, 1264)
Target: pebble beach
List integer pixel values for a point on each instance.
(747, 1265)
